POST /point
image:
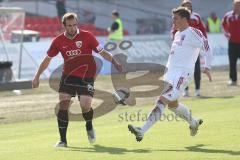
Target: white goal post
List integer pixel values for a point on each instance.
(11, 19)
(11, 51)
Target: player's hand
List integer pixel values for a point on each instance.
(227, 35)
(208, 73)
(118, 66)
(35, 82)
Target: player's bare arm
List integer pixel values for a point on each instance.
(207, 71)
(208, 56)
(207, 68)
(106, 55)
(41, 69)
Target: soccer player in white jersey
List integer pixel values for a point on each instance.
(184, 52)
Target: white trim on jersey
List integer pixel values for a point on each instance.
(198, 35)
(49, 56)
(228, 15)
(99, 48)
(207, 54)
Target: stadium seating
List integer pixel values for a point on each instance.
(50, 27)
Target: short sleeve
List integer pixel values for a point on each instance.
(53, 50)
(94, 44)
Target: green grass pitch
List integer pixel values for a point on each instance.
(218, 137)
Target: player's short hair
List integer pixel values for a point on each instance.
(68, 16)
(115, 13)
(182, 12)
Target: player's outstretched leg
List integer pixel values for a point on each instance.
(184, 113)
(194, 126)
(153, 117)
(137, 131)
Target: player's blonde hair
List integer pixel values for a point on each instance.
(69, 15)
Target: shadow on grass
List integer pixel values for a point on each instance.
(116, 150)
(198, 148)
(208, 97)
(111, 150)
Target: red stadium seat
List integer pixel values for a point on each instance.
(33, 20)
(27, 21)
(28, 26)
(56, 20)
(50, 27)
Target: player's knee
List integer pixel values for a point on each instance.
(173, 104)
(85, 107)
(64, 104)
(164, 100)
(170, 98)
(85, 103)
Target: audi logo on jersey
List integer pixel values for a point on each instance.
(73, 53)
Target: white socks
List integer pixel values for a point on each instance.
(183, 112)
(153, 117)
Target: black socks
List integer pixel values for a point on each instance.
(88, 116)
(62, 118)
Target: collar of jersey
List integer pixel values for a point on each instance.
(78, 32)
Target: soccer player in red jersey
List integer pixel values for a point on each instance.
(78, 75)
(231, 28)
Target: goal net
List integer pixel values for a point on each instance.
(11, 20)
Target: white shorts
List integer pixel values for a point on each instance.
(178, 79)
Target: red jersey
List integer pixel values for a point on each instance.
(77, 53)
(195, 22)
(231, 26)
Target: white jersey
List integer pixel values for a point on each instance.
(186, 47)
